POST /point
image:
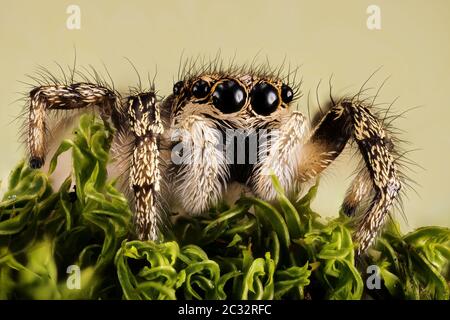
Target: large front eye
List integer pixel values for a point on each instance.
(200, 89)
(229, 96)
(264, 98)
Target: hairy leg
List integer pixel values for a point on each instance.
(145, 175)
(61, 97)
(360, 191)
(352, 119)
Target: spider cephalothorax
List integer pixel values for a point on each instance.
(178, 148)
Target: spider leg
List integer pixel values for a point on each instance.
(62, 97)
(352, 119)
(145, 175)
(360, 190)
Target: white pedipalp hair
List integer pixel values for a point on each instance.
(201, 175)
(280, 154)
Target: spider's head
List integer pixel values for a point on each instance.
(223, 97)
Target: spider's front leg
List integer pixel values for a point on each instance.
(62, 97)
(379, 179)
(145, 176)
(295, 159)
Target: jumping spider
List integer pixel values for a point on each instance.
(215, 100)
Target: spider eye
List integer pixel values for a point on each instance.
(286, 93)
(177, 87)
(264, 98)
(200, 89)
(229, 96)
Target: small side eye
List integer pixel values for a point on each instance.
(264, 98)
(177, 87)
(200, 89)
(286, 93)
(229, 96)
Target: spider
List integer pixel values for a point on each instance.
(208, 103)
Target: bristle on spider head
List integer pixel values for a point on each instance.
(200, 66)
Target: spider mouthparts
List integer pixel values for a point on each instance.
(36, 163)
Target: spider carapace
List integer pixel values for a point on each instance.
(177, 149)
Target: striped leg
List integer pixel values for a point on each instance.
(145, 176)
(61, 97)
(375, 148)
(349, 119)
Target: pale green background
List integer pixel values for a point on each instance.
(324, 37)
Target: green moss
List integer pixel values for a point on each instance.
(252, 250)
